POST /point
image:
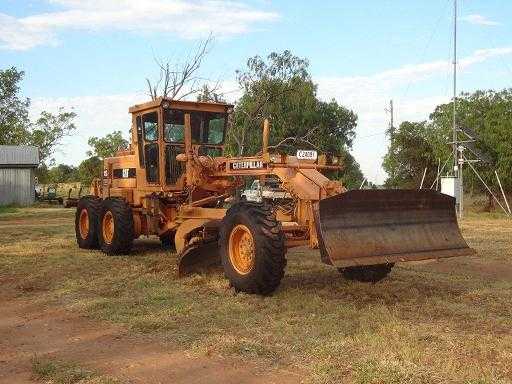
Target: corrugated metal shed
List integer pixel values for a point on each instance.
(17, 164)
(18, 156)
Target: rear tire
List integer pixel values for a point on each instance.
(86, 222)
(258, 266)
(115, 229)
(367, 273)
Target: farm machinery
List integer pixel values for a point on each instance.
(175, 182)
(47, 194)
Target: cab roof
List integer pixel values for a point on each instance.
(180, 104)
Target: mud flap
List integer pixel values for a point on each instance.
(198, 257)
(367, 227)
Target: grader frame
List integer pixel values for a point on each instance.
(173, 182)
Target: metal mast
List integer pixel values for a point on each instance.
(457, 164)
(391, 121)
(455, 155)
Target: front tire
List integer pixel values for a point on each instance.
(367, 273)
(116, 232)
(252, 248)
(86, 222)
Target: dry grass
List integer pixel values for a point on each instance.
(441, 322)
(64, 372)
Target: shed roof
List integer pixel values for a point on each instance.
(18, 156)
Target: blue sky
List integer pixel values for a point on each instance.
(94, 55)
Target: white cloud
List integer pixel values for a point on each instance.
(100, 115)
(369, 95)
(16, 35)
(96, 116)
(480, 20)
(186, 19)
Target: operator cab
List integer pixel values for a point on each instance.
(160, 135)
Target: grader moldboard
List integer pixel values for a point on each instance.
(173, 182)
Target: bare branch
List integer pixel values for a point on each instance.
(303, 139)
(176, 77)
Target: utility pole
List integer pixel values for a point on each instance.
(391, 129)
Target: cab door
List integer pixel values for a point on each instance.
(174, 140)
(148, 145)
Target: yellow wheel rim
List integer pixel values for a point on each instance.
(83, 224)
(107, 227)
(241, 249)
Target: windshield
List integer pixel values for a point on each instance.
(207, 127)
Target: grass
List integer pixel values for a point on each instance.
(63, 372)
(7, 209)
(441, 322)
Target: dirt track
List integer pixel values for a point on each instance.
(27, 329)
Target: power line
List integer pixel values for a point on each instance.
(429, 41)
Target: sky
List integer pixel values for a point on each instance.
(93, 56)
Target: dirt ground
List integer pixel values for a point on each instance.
(28, 329)
(75, 316)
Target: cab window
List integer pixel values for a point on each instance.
(206, 128)
(214, 128)
(150, 124)
(174, 126)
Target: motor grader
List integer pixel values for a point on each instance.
(174, 182)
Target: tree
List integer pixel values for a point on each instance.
(418, 145)
(351, 174)
(62, 173)
(45, 133)
(280, 88)
(209, 94)
(14, 121)
(489, 115)
(410, 152)
(102, 147)
(89, 169)
(282, 84)
(178, 80)
(49, 130)
(107, 146)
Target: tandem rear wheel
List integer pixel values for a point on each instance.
(86, 222)
(116, 232)
(104, 224)
(252, 248)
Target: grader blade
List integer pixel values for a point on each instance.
(198, 257)
(367, 227)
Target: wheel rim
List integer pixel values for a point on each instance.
(107, 227)
(241, 249)
(83, 224)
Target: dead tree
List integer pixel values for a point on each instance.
(177, 80)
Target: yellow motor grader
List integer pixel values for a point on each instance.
(174, 182)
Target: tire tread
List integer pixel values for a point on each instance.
(123, 227)
(270, 248)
